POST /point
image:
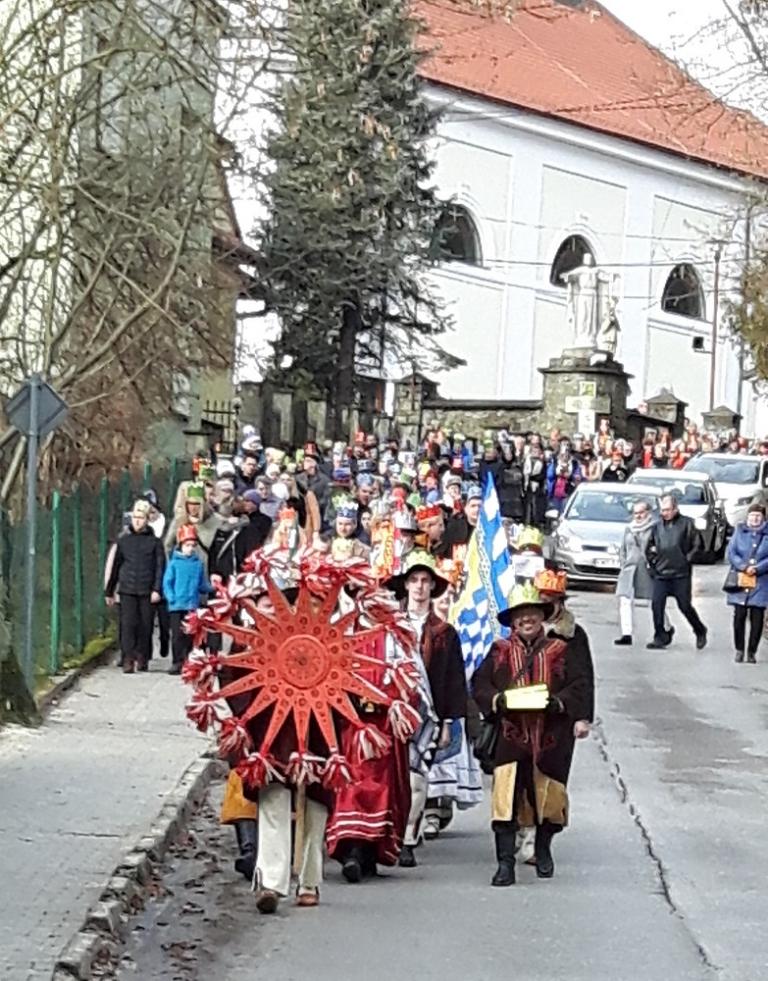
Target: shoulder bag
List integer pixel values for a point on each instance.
(486, 741)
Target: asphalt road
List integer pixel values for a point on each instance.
(662, 874)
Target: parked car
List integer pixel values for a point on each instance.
(739, 480)
(697, 496)
(587, 537)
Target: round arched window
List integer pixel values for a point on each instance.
(569, 256)
(683, 293)
(456, 238)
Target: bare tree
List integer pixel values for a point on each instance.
(115, 220)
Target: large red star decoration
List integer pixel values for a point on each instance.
(303, 666)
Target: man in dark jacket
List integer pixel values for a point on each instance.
(313, 479)
(245, 478)
(671, 545)
(137, 574)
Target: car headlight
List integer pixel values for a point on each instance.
(613, 549)
(744, 500)
(570, 542)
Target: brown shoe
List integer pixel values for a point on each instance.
(267, 900)
(308, 899)
(129, 666)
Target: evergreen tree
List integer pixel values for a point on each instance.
(352, 213)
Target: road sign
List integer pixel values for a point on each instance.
(52, 410)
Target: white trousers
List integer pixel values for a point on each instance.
(419, 785)
(273, 864)
(626, 605)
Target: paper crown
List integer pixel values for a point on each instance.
(341, 475)
(206, 472)
(428, 511)
(524, 594)
(347, 509)
(551, 581)
(186, 533)
(530, 538)
(195, 494)
(405, 521)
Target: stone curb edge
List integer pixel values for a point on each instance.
(128, 887)
(68, 681)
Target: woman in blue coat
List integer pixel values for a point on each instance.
(748, 554)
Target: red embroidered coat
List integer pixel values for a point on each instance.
(544, 737)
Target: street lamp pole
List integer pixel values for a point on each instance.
(715, 316)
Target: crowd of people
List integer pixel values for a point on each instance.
(409, 517)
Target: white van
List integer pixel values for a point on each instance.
(739, 480)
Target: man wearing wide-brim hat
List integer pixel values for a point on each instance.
(419, 584)
(536, 687)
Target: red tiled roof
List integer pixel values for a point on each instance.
(584, 66)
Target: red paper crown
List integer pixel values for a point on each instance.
(427, 511)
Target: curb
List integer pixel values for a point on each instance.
(129, 885)
(48, 699)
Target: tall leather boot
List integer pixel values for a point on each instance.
(545, 864)
(247, 833)
(506, 840)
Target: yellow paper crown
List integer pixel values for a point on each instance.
(524, 594)
(530, 538)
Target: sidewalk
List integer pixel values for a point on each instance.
(74, 795)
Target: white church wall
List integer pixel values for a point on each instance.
(643, 211)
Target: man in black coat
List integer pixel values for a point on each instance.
(137, 574)
(671, 545)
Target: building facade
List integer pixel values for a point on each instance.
(538, 177)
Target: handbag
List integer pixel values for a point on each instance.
(731, 584)
(486, 741)
(747, 580)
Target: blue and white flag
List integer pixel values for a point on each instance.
(489, 580)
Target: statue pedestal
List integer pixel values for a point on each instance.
(583, 386)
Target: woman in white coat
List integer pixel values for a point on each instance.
(634, 582)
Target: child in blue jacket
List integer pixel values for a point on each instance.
(183, 583)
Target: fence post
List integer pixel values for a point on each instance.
(147, 475)
(103, 546)
(125, 492)
(172, 472)
(55, 582)
(77, 534)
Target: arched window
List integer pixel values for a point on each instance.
(683, 294)
(456, 238)
(569, 256)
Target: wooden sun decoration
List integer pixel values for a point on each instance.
(304, 664)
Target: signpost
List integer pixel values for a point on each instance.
(35, 410)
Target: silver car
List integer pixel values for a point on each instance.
(587, 537)
(739, 480)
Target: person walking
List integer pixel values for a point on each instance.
(183, 583)
(748, 557)
(671, 545)
(635, 582)
(535, 742)
(137, 572)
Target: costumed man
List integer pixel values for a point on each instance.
(528, 554)
(443, 662)
(553, 588)
(432, 525)
(533, 688)
(345, 542)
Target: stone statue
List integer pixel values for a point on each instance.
(608, 294)
(591, 301)
(582, 284)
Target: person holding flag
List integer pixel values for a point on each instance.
(455, 777)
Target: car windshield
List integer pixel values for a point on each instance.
(686, 492)
(592, 505)
(735, 471)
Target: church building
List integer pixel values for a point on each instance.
(566, 136)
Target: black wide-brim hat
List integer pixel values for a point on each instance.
(396, 584)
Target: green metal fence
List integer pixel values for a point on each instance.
(73, 539)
